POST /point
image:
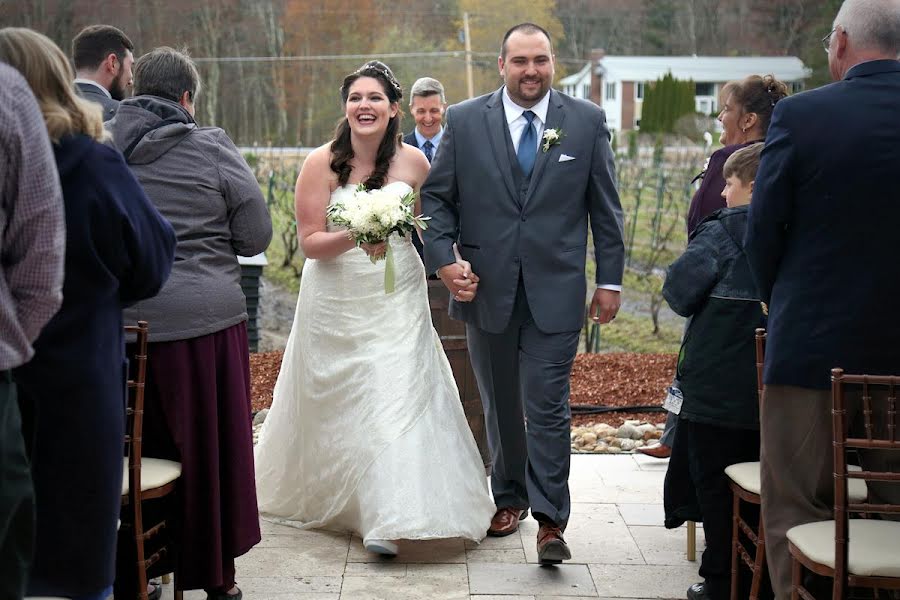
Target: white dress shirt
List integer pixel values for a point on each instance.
(516, 123)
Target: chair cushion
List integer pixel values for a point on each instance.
(746, 475)
(155, 472)
(874, 551)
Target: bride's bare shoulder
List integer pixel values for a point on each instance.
(318, 158)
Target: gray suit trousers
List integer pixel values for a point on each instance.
(523, 375)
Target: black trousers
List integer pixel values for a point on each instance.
(710, 449)
(16, 497)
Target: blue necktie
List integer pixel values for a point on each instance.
(427, 148)
(527, 145)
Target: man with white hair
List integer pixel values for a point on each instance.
(427, 105)
(822, 247)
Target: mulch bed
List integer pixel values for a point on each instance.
(615, 379)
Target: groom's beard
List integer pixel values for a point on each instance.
(118, 90)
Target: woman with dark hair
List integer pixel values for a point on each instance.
(747, 107)
(366, 432)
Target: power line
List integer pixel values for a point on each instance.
(327, 57)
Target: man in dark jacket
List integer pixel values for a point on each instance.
(822, 247)
(719, 419)
(103, 57)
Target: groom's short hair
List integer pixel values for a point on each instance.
(528, 29)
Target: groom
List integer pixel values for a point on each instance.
(517, 200)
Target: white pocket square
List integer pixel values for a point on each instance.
(565, 157)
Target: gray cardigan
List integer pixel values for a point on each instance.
(199, 181)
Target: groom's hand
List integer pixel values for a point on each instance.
(460, 280)
(604, 305)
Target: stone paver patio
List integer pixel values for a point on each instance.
(619, 549)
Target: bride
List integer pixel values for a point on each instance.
(366, 432)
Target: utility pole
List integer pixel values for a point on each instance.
(469, 83)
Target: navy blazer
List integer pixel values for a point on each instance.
(410, 138)
(90, 92)
(822, 237)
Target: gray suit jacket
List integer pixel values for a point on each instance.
(505, 224)
(89, 92)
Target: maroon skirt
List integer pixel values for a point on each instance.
(198, 411)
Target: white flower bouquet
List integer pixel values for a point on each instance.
(371, 216)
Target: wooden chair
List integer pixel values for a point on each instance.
(144, 479)
(745, 486)
(854, 552)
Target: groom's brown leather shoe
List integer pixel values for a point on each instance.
(506, 521)
(551, 547)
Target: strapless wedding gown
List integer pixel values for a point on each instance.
(366, 432)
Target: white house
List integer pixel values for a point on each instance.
(617, 83)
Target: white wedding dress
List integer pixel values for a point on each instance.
(366, 432)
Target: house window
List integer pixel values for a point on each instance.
(610, 91)
(704, 89)
(586, 90)
(796, 86)
(639, 90)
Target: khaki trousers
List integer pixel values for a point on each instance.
(797, 467)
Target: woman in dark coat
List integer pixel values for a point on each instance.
(118, 250)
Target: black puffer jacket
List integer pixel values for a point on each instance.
(711, 284)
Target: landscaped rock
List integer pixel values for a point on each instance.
(260, 417)
(589, 438)
(614, 450)
(604, 430)
(626, 445)
(629, 431)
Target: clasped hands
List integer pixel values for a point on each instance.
(463, 284)
(459, 278)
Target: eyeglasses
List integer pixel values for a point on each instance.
(826, 41)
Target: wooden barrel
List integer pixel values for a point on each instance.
(453, 339)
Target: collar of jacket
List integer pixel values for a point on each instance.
(873, 67)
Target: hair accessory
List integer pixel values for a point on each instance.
(375, 66)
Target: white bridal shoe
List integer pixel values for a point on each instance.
(384, 547)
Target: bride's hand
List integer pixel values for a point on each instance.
(466, 265)
(375, 250)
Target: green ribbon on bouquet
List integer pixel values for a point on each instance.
(388, 268)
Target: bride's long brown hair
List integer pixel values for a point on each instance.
(341, 148)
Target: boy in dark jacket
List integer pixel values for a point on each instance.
(711, 285)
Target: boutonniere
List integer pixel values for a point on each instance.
(551, 137)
